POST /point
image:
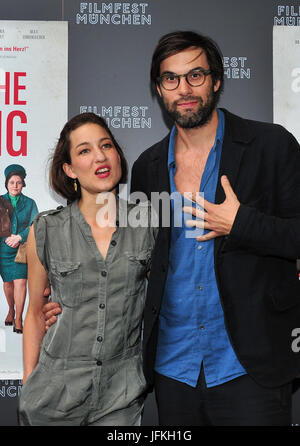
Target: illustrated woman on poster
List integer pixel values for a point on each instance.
(88, 369)
(14, 275)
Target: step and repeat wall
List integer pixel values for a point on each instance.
(59, 58)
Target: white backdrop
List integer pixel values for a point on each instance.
(286, 72)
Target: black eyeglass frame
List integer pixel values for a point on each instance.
(179, 76)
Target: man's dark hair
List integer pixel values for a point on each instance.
(59, 181)
(177, 41)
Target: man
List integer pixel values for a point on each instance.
(221, 308)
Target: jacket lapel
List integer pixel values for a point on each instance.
(159, 168)
(236, 138)
(20, 204)
(161, 183)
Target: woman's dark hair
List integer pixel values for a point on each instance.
(59, 181)
(11, 174)
(177, 41)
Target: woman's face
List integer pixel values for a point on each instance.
(95, 162)
(15, 185)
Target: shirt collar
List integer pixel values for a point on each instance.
(14, 200)
(173, 134)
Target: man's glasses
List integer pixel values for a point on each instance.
(195, 78)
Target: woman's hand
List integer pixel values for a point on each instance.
(13, 240)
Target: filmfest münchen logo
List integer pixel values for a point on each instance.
(287, 16)
(10, 389)
(236, 67)
(113, 13)
(121, 116)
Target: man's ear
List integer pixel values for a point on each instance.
(217, 85)
(158, 90)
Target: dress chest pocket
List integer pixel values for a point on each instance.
(138, 266)
(67, 282)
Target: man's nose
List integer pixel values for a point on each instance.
(184, 87)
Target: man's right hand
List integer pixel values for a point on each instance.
(51, 310)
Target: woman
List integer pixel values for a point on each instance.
(14, 275)
(88, 370)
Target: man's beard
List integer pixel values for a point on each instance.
(199, 118)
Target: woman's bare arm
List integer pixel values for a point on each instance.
(34, 324)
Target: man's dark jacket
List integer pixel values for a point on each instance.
(255, 265)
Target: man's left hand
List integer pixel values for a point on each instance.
(218, 218)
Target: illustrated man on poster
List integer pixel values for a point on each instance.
(221, 307)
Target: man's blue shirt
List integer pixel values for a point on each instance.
(191, 322)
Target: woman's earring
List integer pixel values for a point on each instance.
(75, 185)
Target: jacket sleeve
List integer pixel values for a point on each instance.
(275, 235)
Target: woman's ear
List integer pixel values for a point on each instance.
(67, 168)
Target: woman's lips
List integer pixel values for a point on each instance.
(103, 172)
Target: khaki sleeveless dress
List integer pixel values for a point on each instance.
(90, 366)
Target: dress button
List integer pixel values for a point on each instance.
(63, 274)
(200, 247)
(103, 273)
(113, 243)
(99, 339)
(154, 310)
(102, 306)
(200, 288)
(201, 327)
(99, 363)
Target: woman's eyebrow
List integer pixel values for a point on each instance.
(88, 142)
